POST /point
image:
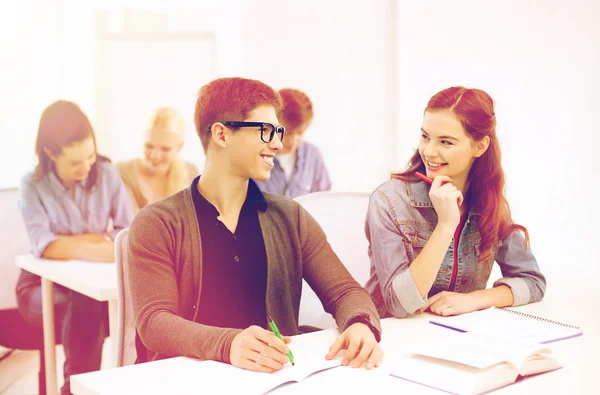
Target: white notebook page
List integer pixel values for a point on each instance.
(498, 322)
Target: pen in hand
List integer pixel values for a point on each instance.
(276, 332)
(423, 177)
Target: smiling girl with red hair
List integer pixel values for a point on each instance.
(432, 247)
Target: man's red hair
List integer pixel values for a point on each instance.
(230, 99)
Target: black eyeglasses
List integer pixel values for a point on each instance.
(267, 130)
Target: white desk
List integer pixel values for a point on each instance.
(96, 280)
(578, 355)
(571, 298)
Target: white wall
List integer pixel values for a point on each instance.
(30, 77)
(540, 61)
(50, 50)
(341, 53)
(369, 68)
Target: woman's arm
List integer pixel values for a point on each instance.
(446, 199)
(522, 283)
(389, 258)
(45, 244)
(425, 267)
(520, 270)
(78, 247)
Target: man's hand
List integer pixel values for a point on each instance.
(361, 346)
(259, 350)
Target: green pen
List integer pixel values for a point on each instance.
(276, 332)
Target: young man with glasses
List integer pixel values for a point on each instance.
(207, 265)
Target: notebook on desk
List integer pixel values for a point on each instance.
(510, 323)
(470, 363)
(309, 357)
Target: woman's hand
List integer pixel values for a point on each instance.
(452, 303)
(446, 199)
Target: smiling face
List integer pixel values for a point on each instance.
(74, 162)
(161, 148)
(446, 149)
(249, 156)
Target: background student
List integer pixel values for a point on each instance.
(161, 172)
(299, 167)
(67, 203)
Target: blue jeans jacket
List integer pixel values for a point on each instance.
(400, 220)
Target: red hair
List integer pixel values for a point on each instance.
(62, 124)
(230, 99)
(474, 109)
(297, 108)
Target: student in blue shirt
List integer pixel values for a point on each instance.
(67, 203)
(299, 167)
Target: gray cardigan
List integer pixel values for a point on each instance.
(165, 276)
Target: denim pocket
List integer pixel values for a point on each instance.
(415, 237)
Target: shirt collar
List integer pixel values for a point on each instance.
(58, 187)
(254, 197)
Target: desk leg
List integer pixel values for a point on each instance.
(112, 324)
(49, 340)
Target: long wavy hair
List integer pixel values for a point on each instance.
(474, 109)
(62, 124)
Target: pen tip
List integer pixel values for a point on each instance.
(293, 364)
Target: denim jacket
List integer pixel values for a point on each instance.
(400, 220)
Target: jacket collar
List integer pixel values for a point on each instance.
(418, 194)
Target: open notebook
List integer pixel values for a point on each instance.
(470, 363)
(309, 357)
(509, 323)
(238, 381)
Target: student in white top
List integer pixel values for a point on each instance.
(161, 172)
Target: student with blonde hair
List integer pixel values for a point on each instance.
(161, 172)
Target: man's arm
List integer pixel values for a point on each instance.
(155, 295)
(339, 292)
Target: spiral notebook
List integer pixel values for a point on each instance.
(510, 323)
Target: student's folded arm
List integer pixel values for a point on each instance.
(339, 292)
(121, 209)
(155, 299)
(83, 237)
(520, 271)
(73, 247)
(389, 258)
